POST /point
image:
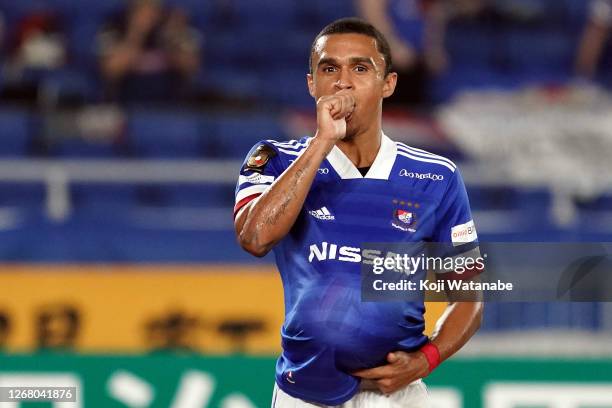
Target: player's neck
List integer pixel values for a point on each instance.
(362, 148)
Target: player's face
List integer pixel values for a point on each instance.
(352, 61)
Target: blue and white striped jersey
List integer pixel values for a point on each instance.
(407, 195)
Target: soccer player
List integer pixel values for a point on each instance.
(317, 200)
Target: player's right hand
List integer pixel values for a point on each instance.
(332, 111)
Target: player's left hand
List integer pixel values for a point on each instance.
(403, 368)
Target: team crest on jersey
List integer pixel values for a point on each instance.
(404, 216)
(404, 219)
(260, 157)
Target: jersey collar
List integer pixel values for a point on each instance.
(380, 169)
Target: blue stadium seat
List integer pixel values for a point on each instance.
(543, 50)
(509, 197)
(492, 197)
(96, 9)
(187, 195)
(22, 194)
(533, 315)
(289, 88)
(466, 77)
(15, 10)
(536, 315)
(238, 133)
(600, 203)
(111, 236)
(319, 13)
(166, 134)
(223, 49)
(243, 84)
(577, 13)
(15, 132)
(82, 40)
(71, 84)
(108, 196)
(585, 315)
(201, 13)
(226, 51)
(79, 148)
(198, 195)
(266, 15)
(471, 44)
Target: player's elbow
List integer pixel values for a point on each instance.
(258, 251)
(252, 237)
(252, 245)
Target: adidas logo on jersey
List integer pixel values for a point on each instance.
(322, 214)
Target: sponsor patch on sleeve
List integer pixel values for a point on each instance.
(255, 178)
(260, 157)
(463, 233)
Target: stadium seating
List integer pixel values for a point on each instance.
(166, 134)
(22, 195)
(15, 128)
(257, 51)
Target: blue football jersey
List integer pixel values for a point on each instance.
(408, 195)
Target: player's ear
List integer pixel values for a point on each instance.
(389, 85)
(311, 87)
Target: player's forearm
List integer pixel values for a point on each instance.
(435, 29)
(376, 13)
(119, 61)
(269, 218)
(590, 49)
(435, 26)
(186, 62)
(457, 325)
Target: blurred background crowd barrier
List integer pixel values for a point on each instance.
(122, 129)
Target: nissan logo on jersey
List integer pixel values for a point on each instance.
(421, 176)
(327, 251)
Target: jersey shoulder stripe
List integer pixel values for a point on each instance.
(293, 148)
(290, 152)
(426, 160)
(292, 144)
(423, 153)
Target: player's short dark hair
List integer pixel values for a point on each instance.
(353, 25)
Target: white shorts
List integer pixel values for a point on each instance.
(414, 395)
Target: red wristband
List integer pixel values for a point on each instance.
(432, 354)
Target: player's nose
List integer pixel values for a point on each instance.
(343, 81)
